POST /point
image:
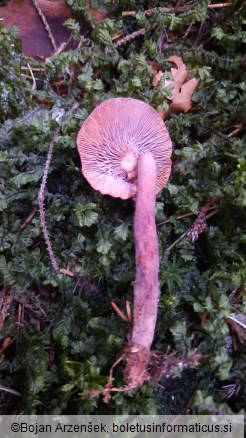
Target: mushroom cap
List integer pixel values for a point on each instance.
(112, 138)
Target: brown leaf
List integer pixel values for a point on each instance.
(179, 75)
(6, 343)
(157, 78)
(182, 89)
(181, 101)
(176, 60)
(66, 272)
(117, 34)
(154, 66)
(98, 14)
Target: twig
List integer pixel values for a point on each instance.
(66, 272)
(237, 130)
(119, 312)
(223, 5)
(176, 241)
(33, 77)
(41, 199)
(33, 68)
(28, 219)
(183, 216)
(6, 343)
(151, 11)
(11, 391)
(46, 25)
(129, 311)
(63, 46)
(28, 307)
(107, 390)
(237, 321)
(193, 236)
(6, 297)
(130, 37)
(177, 218)
(110, 378)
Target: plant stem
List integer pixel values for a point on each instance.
(174, 10)
(146, 285)
(41, 199)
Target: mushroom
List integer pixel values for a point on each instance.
(125, 152)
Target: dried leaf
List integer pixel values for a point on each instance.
(181, 101)
(157, 78)
(117, 34)
(176, 60)
(98, 14)
(6, 343)
(154, 66)
(179, 75)
(182, 89)
(66, 272)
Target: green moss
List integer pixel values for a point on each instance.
(69, 345)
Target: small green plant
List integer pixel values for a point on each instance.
(60, 335)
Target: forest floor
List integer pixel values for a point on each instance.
(67, 263)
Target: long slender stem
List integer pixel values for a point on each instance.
(146, 285)
(41, 199)
(45, 23)
(174, 10)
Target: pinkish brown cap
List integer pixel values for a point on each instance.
(112, 138)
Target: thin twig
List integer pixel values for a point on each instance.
(105, 390)
(28, 219)
(188, 231)
(63, 46)
(33, 77)
(176, 241)
(46, 25)
(6, 297)
(223, 5)
(110, 378)
(177, 218)
(237, 321)
(33, 68)
(151, 11)
(119, 312)
(41, 198)
(129, 38)
(11, 391)
(184, 215)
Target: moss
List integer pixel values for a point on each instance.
(68, 336)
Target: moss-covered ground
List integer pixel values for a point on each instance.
(59, 333)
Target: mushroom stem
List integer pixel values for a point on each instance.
(146, 286)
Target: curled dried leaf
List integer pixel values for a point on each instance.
(181, 101)
(157, 77)
(182, 89)
(98, 14)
